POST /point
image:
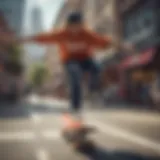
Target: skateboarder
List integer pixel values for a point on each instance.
(76, 44)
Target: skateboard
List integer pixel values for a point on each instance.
(78, 137)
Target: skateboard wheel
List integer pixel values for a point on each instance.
(85, 146)
(69, 136)
(66, 136)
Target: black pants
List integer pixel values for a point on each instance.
(75, 70)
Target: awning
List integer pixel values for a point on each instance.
(138, 60)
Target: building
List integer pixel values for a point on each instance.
(36, 20)
(10, 72)
(52, 56)
(34, 52)
(13, 12)
(140, 21)
(101, 16)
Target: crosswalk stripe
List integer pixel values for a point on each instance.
(115, 131)
(18, 136)
(29, 135)
(42, 155)
(51, 134)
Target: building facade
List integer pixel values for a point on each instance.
(36, 20)
(34, 52)
(10, 72)
(13, 12)
(141, 27)
(101, 16)
(140, 24)
(52, 59)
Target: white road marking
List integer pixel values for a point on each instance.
(51, 134)
(48, 101)
(33, 99)
(18, 136)
(36, 118)
(29, 135)
(42, 155)
(112, 130)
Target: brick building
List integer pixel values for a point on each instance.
(52, 59)
(8, 71)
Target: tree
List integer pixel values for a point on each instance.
(16, 53)
(38, 74)
(14, 62)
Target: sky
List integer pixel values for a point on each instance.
(49, 9)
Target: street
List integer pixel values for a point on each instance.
(31, 131)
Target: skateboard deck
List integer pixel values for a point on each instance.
(77, 134)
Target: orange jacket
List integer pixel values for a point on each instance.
(74, 46)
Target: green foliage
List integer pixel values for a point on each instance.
(16, 53)
(14, 64)
(38, 74)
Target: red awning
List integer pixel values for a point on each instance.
(138, 60)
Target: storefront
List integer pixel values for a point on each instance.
(141, 27)
(110, 71)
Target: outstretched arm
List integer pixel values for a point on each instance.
(105, 42)
(44, 38)
(98, 41)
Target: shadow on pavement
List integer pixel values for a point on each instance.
(14, 110)
(101, 154)
(25, 109)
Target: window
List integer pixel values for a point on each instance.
(148, 18)
(128, 27)
(137, 21)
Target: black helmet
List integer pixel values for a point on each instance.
(74, 17)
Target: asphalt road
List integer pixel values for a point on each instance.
(31, 131)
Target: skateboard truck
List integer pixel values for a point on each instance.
(79, 139)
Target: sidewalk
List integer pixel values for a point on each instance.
(46, 100)
(87, 104)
